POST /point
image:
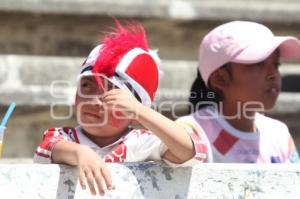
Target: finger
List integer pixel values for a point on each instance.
(100, 182)
(90, 181)
(112, 92)
(116, 105)
(109, 98)
(107, 177)
(82, 179)
(110, 105)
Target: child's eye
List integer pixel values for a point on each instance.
(260, 64)
(89, 88)
(111, 86)
(86, 85)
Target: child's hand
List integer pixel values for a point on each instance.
(93, 169)
(119, 100)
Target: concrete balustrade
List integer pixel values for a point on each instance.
(154, 181)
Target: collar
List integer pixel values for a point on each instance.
(83, 139)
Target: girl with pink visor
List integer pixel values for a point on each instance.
(238, 82)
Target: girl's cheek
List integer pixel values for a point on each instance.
(77, 99)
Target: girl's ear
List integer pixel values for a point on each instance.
(220, 79)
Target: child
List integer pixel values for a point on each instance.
(238, 81)
(116, 86)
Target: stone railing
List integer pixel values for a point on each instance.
(154, 181)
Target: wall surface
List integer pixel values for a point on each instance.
(44, 88)
(155, 181)
(46, 40)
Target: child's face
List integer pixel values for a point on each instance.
(257, 83)
(92, 114)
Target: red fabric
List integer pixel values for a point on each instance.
(224, 142)
(41, 154)
(52, 136)
(144, 71)
(71, 132)
(200, 147)
(116, 44)
(50, 139)
(117, 155)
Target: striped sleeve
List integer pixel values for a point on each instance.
(53, 135)
(198, 138)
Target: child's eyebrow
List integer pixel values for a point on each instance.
(86, 80)
(260, 63)
(90, 79)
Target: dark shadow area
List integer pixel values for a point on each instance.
(291, 83)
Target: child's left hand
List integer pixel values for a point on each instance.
(119, 100)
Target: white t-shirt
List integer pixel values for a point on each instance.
(137, 145)
(215, 140)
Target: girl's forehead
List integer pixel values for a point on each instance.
(93, 78)
(88, 77)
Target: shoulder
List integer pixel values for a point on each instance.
(272, 129)
(137, 137)
(186, 120)
(60, 130)
(195, 120)
(69, 133)
(270, 123)
(138, 133)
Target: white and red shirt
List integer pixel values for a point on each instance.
(137, 145)
(215, 140)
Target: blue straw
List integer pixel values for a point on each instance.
(8, 114)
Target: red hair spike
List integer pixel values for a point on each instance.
(117, 43)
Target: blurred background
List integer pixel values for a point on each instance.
(44, 42)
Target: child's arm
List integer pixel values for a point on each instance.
(91, 166)
(58, 147)
(179, 143)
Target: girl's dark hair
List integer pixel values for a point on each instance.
(202, 96)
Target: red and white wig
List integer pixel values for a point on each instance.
(124, 59)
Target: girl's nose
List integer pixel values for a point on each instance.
(97, 102)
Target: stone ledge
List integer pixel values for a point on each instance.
(176, 9)
(153, 180)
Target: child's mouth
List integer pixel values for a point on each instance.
(92, 114)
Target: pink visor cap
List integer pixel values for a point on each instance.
(242, 42)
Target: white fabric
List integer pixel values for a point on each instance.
(140, 145)
(225, 144)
